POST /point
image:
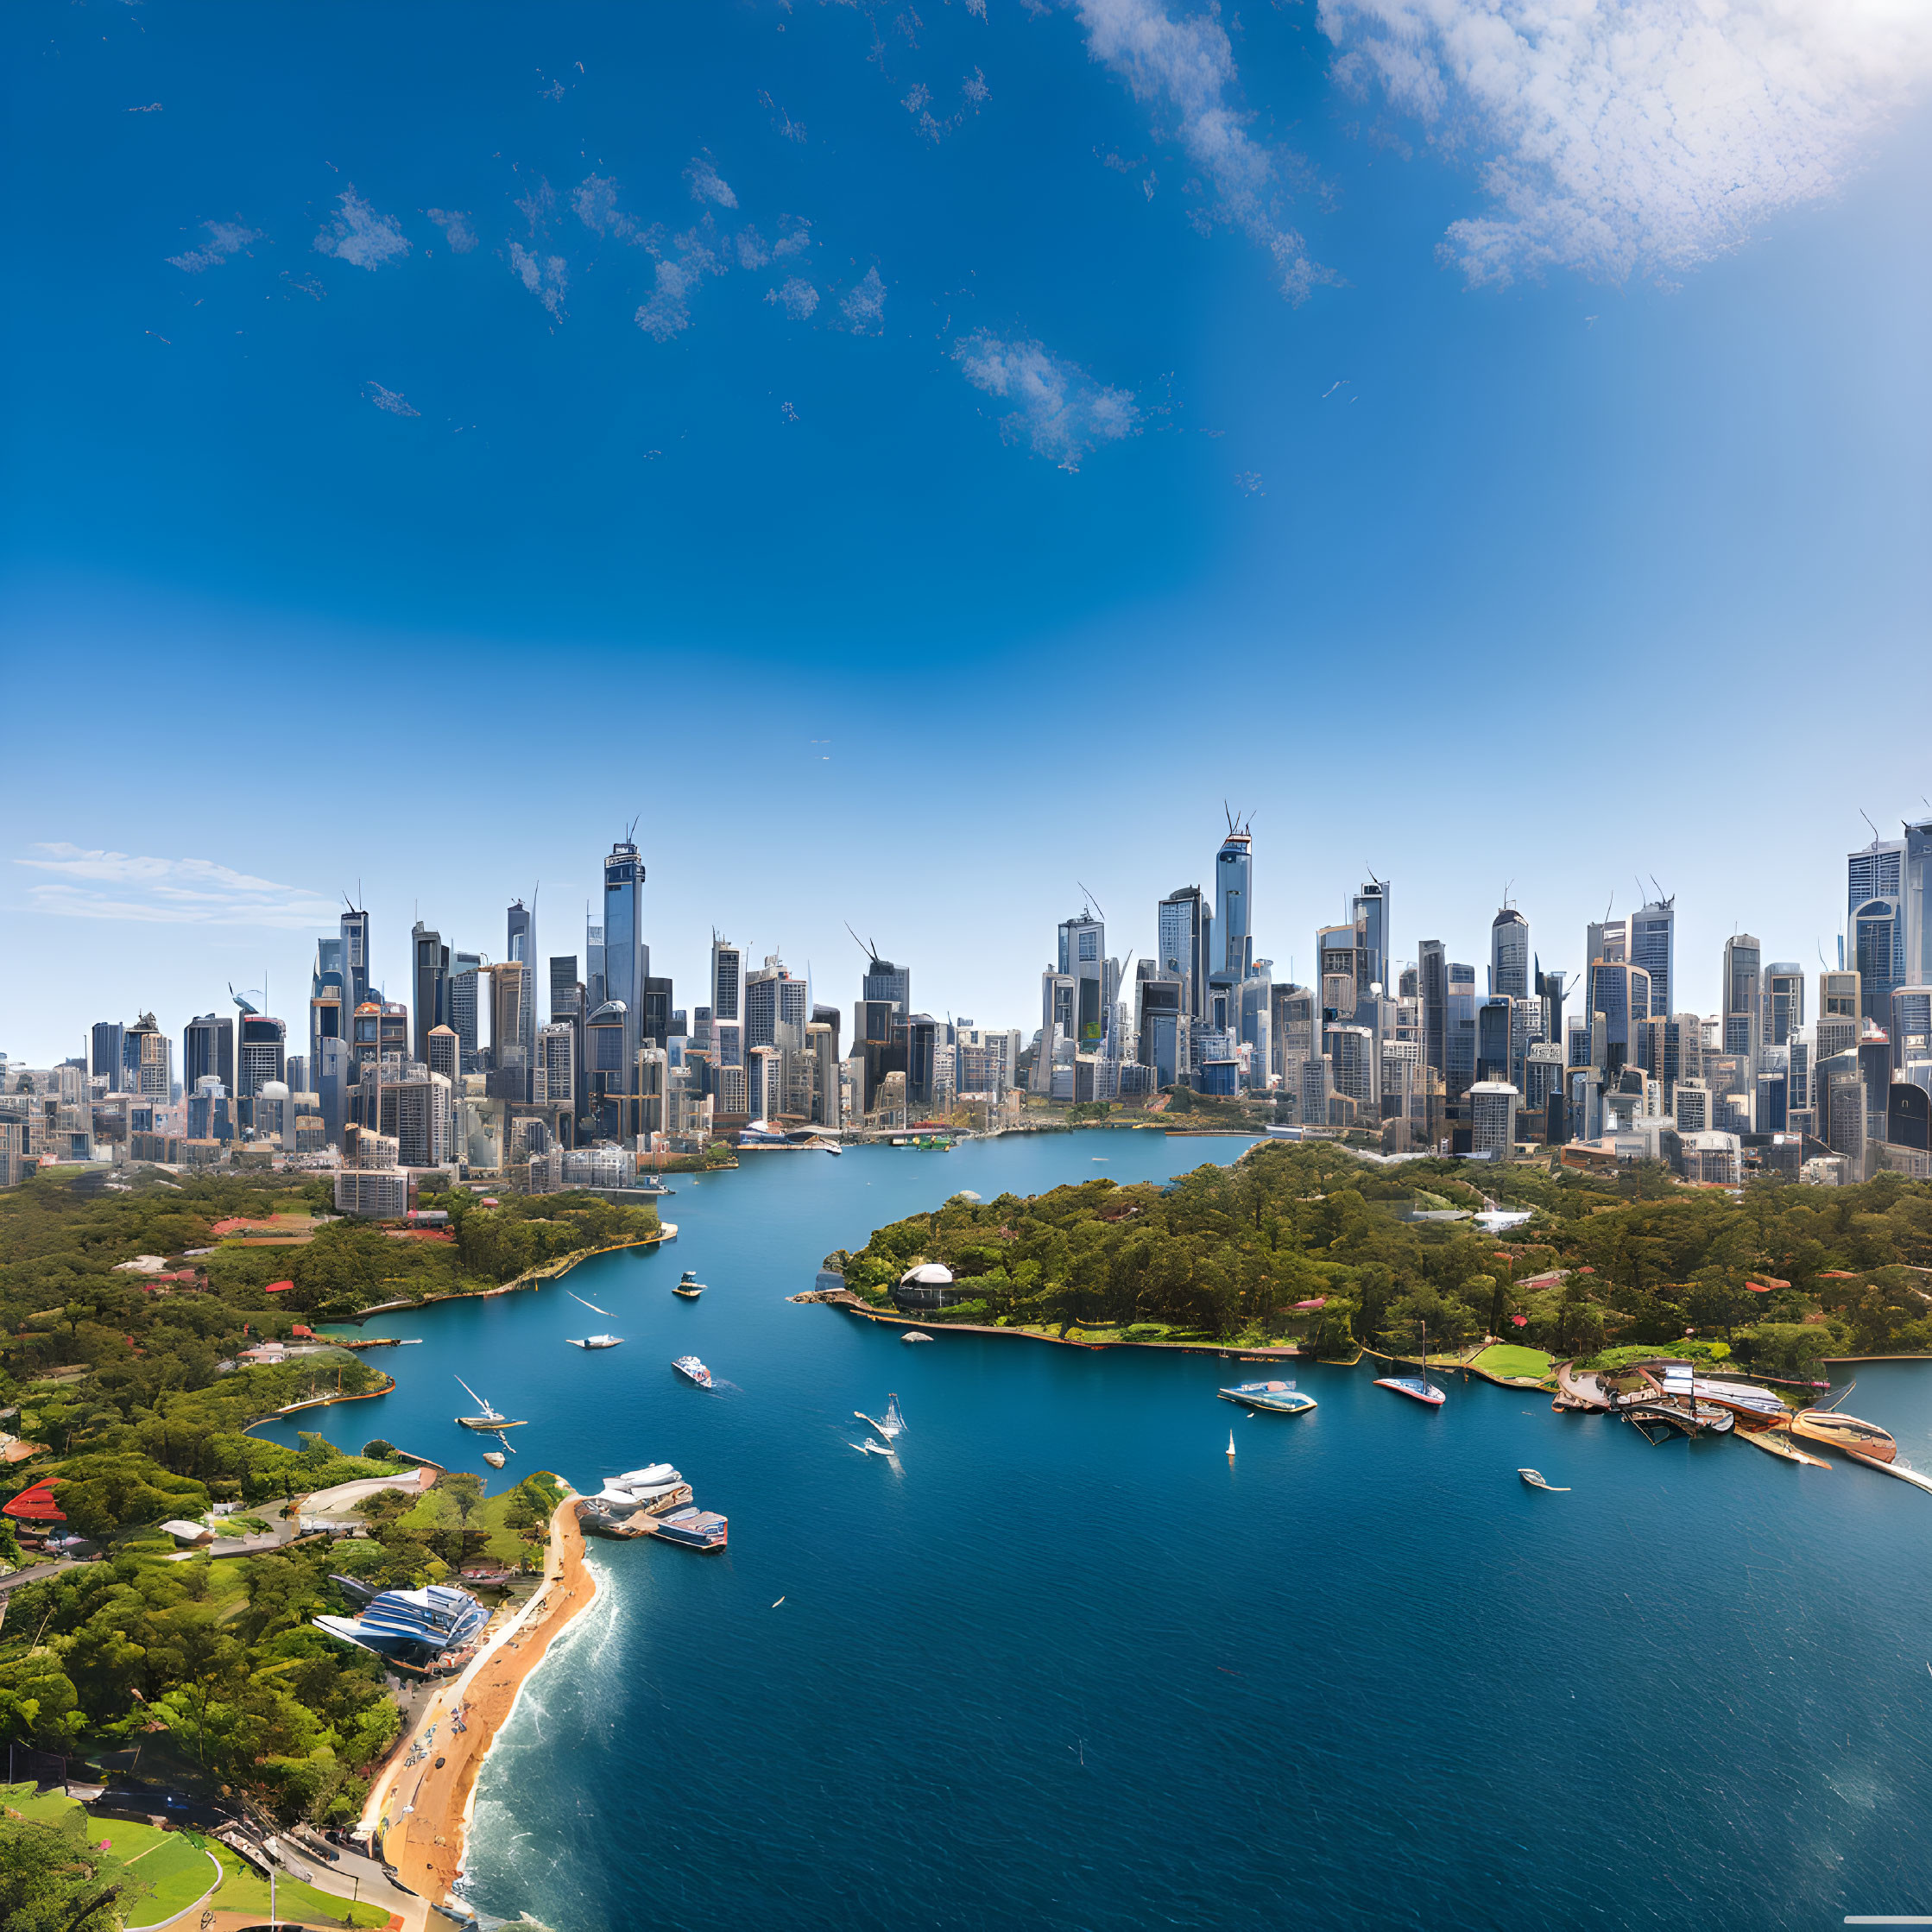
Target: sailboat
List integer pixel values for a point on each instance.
(892, 1426)
(1418, 1388)
(1230, 1445)
(489, 1420)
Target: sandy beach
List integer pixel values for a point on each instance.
(420, 1810)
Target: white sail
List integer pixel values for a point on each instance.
(894, 1424)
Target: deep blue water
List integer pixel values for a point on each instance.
(1067, 1666)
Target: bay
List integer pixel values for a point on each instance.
(1066, 1665)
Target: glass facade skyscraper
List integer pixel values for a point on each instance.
(1509, 956)
(1653, 940)
(1233, 936)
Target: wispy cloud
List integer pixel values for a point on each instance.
(360, 236)
(863, 310)
(796, 296)
(1060, 412)
(73, 882)
(546, 277)
(706, 184)
(457, 230)
(392, 400)
(224, 238)
(595, 204)
(667, 313)
(1644, 138)
(1186, 68)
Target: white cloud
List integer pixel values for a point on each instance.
(706, 184)
(864, 307)
(1061, 411)
(1644, 137)
(360, 236)
(457, 230)
(794, 238)
(1187, 67)
(224, 238)
(796, 296)
(392, 400)
(595, 203)
(546, 277)
(668, 314)
(72, 883)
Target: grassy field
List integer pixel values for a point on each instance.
(242, 1891)
(436, 1511)
(1506, 1358)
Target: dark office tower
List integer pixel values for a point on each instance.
(884, 981)
(1874, 1052)
(626, 959)
(445, 1053)
(108, 1035)
(824, 1016)
(465, 977)
(593, 962)
(1653, 944)
(1509, 960)
(1619, 995)
(1918, 882)
(432, 960)
(1908, 1117)
(1493, 1020)
(1371, 911)
(1234, 934)
(1743, 1024)
(1875, 923)
(262, 1055)
(656, 1028)
(354, 958)
(208, 1052)
(1183, 931)
(565, 991)
(1783, 1001)
(1549, 986)
(1432, 971)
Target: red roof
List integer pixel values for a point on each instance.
(1320, 1301)
(1751, 1288)
(34, 1505)
(1519, 1319)
(278, 1287)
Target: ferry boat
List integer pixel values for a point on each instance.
(595, 1341)
(692, 1370)
(696, 1529)
(689, 1285)
(1280, 1398)
(403, 1623)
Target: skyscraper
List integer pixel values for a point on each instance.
(261, 1055)
(1432, 975)
(106, 1051)
(1652, 945)
(1233, 936)
(354, 962)
(1917, 883)
(208, 1052)
(1743, 1024)
(620, 963)
(1783, 1001)
(1371, 910)
(1082, 960)
(147, 1060)
(1509, 956)
(1875, 923)
(728, 980)
(1183, 934)
(521, 946)
(465, 975)
(431, 968)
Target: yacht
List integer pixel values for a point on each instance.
(595, 1341)
(1855, 1436)
(486, 1418)
(698, 1528)
(692, 1370)
(689, 1285)
(1281, 1397)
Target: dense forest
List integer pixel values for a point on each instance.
(1228, 1253)
(129, 1384)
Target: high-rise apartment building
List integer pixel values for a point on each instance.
(727, 979)
(261, 1054)
(554, 1080)
(445, 1053)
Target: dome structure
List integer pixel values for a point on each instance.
(928, 1274)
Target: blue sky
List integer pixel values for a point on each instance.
(915, 461)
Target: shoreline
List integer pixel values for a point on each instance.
(419, 1832)
(534, 1277)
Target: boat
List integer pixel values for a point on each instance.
(595, 1341)
(1741, 1398)
(893, 1425)
(871, 1447)
(639, 1479)
(913, 1334)
(489, 1420)
(1776, 1441)
(692, 1370)
(696, 1529)
(1854, 1436)
(1280, 1398)
(1230, 1445)
(1534, 1479)
(494, 1457)
(402, 1623)
(1418, 1388)
(689, 1287)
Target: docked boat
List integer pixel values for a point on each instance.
(487, 1419)
(1776, 1440)
(696, 1529)
(1533, 1479)
(1851, 1434)
(640, 1478)
(1741, 1398)
(913, 1334)
(692, 1370)
(1281, 1398)
(595, 1341)
(689, 1287)
(408, 1624)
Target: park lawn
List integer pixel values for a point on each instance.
(244, 1891)
(1507, 1358)
(164, 1871)
(500, 1542)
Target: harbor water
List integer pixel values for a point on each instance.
(1066, 1663)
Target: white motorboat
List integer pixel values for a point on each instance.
(487, 1419)
(595, 1341)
